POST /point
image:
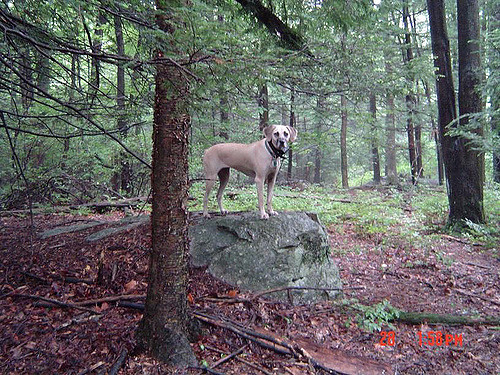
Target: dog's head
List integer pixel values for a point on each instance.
(280, 136)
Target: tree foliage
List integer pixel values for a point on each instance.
(76, 138)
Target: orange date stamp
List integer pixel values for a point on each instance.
(425, 339)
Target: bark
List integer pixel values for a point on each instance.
(469, 103)
(343, 142)
(96, 47)
(263, 102)
(374, 140)
(435, 133)
(494, 57)
(125, 174)
(289, 37)
(317, 151)
(293, 122)
(164, 327)
(463, 173)
(410, 98)
(390, 131)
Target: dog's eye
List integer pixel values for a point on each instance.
(277, 134)
(285, 134)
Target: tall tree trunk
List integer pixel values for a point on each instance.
(462, 196)
(495, 96)
(410, 97)
(343, 142)
(125, 172)
(470, 205)
(293, 123)
(317, 152)
(95, 69)
(391, 172)
(263, 101)
(374, 140)
(163, 329)
(435, 133)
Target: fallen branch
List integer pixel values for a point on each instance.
(122, 297)
(56, 302)
(324, 358)
(68, 279)
(118, 363)
(429, 318)
(256, 295)
(227, 358)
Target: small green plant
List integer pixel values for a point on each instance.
(373, 318)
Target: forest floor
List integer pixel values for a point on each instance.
(423, 271)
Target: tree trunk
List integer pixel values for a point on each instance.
(125, 172)
(293, 122)
(494, 58)
(469, 198)
(95, 69)
(343, 142)
(435, 133)
(390, 129)
(464, 200)
(317, 152)
(263, 101)
(163, 329)
(410, 98)
(374, 140)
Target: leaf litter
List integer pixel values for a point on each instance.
(441, 275)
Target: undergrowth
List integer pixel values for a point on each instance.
(406, 212)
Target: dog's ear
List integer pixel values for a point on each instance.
(293, 133)
(268, 132)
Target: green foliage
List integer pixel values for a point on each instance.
(373, 318)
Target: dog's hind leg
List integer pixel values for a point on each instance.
(224, 179)
(209, 184)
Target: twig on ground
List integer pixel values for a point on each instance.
(227, 358)
(119, 362)
(56, 302)
(121, 297)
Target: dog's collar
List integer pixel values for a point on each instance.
(275, 152)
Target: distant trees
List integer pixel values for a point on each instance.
(77, 90)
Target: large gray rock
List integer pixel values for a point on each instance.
(290, 249)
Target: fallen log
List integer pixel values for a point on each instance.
(412, 317)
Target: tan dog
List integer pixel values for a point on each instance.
(260, 160)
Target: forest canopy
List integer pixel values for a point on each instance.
(356, 79)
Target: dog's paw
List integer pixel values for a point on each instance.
(224, 212)
(207, 215)
(264, 216)
(273, 213)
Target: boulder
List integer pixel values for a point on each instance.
(288, 250)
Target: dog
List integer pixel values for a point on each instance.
(260, 160)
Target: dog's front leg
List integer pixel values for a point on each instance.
(259, 181)
(271, 180)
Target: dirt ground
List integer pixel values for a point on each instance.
(448, 275)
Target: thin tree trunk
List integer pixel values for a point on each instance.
(317, 152)
(125, 172)
(435, 133)
(293, 123)
(263, 101)
(374, 140)
(410, 98)
(390, 130)
(163, 329)
(343, 142)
